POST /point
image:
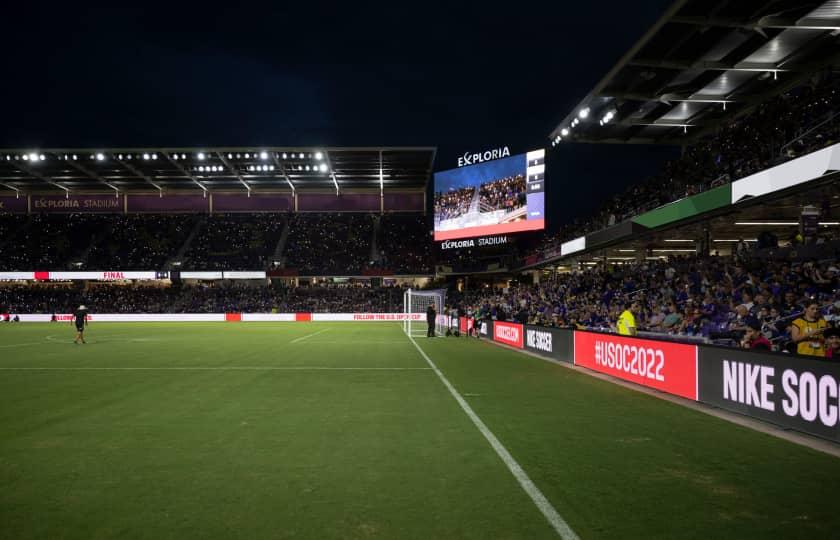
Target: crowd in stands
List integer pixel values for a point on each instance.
(723, 300)
(505, 193)
(235, 242)
(317, 244)
(452, 204)
(44, 241)
(797, 122)
(714, 298)
(341, 299)
(405, 244)
(329, 244)
(218, 298)
(9, 224)
(139, 241)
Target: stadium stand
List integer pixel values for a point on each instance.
(506, 193)
(217, 298)
(318, 244)
(9, 224)
(140, 241)
(454, 203)
(329, 244)
(48, 241)
(795, 123)
(405, 246)
(711, 297)
(235, 242)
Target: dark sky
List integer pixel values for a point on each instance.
(462, 76)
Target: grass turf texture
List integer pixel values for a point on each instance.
(368, 453)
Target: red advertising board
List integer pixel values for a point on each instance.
(509, 334)
(665, 366)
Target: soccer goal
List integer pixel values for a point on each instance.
(416, 302)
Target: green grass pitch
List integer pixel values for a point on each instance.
(341, 430)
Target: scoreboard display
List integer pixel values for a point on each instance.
(502, 196)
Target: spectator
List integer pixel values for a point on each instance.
(672, 319)
(805, 116)
(832, 343)
(807, 331)
(754, 339)
(505, 194)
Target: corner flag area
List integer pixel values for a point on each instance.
(349, 430)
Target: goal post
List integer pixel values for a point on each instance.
(417, 302)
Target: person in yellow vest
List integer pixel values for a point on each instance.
(627, 320)
(807, 331)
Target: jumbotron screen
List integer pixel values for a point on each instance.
(496, 197)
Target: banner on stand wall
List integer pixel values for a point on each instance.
(508, 333)
(87, 204)
(13, 205)
(554, 343)
(665, 366)
(797, 392)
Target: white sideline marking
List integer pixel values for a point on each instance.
(543, 504)
(10, 345)
(217, 368)
(126, 338)
(309, 335)
(358, 342)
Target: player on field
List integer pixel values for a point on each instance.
(80, 318)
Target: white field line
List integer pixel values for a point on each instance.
(10, 345)
(307, 336)
(358, 342)
(216, 368)
(543, 504)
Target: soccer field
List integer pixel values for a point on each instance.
(343, 430)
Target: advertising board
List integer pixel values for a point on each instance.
(665, 366)
(792, 391)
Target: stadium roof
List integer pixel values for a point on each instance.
(249, 169)
(701, 64)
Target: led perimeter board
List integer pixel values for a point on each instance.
(496, 197)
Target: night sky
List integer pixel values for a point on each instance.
(462, 78)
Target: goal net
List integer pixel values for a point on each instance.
(416, 302)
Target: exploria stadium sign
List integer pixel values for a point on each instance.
(487, 155)
(473, 242)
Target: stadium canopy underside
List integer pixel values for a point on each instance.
(778, 214)
(224, 169)
(702, 64)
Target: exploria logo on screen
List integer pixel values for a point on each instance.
(487, 155)
(500, 196)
